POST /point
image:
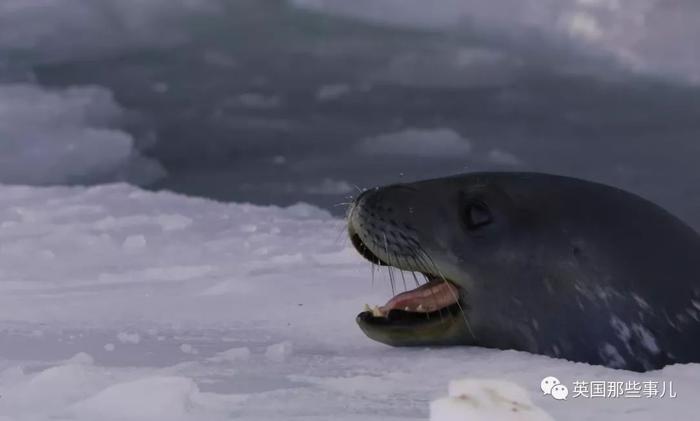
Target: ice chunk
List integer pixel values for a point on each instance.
(279, 352)
(188, 349)
(231, 355)
(129, 338)
(134, 242)
(486, 400)
(149, 398)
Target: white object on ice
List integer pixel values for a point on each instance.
(128, 337)
(279, 352)
(231, 355)
(148, 398)
(188, 349)
(486, 400)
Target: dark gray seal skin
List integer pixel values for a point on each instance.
(546, 264)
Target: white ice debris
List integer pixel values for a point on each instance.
(188, 349)
(279, 352)
(232, 355)
(129, 337)
(134, 242)
(150, 398)
(81, 358)
(486, 400)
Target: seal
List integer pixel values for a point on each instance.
(534, 262)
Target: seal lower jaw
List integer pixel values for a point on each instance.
(404, 328)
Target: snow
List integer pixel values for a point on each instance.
(486, 400)
(212, 319)
(279, 352)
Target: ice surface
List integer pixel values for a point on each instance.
(486, 400)
(266, 297)
(66, 136)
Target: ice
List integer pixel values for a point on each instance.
(215, 320)
(129, 337)
(279, 352)
(188, 349)
(486, 400)
(68, 135)
(148, 398)
(233, 354)
(174, 222)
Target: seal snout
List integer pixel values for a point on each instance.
(381, 228)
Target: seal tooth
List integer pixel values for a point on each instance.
(420, 307)
(407, 308)
(366, 308)
(377, 312)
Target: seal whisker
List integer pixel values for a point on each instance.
(403, 278)
(464, 315)
(388, 257)
(391, 280)
(415, 278)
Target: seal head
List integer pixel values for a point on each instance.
(533, 262)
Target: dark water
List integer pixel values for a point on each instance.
(240, 111)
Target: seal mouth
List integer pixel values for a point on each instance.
(431, 300)
(435, 299)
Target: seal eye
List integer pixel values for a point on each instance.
(478, 215)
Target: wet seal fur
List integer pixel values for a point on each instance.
(542, 263)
